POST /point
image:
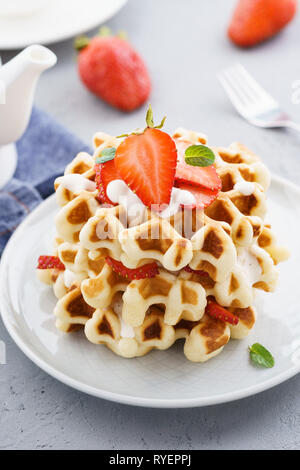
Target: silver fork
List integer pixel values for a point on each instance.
(252, 101)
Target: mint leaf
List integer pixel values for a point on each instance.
(261, 356)
(199, 155)
(106, 155)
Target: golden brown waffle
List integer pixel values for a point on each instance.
(267, 241)
(77, 259)
(204, 339)
(99, 291)
(100, 233)
(83, 165)
(73, 216)
(62, 284)
(182, 299)
(156, 240)
(72, 311)
(229, 242)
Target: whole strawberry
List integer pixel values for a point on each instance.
(255, 21)
(113, 70)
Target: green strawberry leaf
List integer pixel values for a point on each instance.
(106, 155)
(149, 117)
(199, 155)
(161, 124)
(261, 356)
(104, 31)
(150, 124)
(81, 42)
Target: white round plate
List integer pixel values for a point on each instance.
(162, 378)
(57, 21)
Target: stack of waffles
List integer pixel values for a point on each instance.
(224, 255)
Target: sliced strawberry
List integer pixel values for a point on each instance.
(215, 310)
(147, 163)
(195, 175)
(147, 270)
(195, 271)
(50, 262)
(204, 197)
(105, 173)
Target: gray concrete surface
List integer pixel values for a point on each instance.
(184, 44)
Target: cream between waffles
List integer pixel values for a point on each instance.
(137, 280)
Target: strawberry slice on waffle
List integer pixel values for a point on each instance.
(143, 272)
(204, 197)
(105, 173)
(200, 272)
(50, 262)
(215, 310)
(205, 177)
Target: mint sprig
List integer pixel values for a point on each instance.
(199, 155)
(261, 356)
(106, 155)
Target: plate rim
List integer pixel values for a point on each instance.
(64, 36)
(123, 398)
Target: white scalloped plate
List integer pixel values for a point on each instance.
(57, 21)
(162, 378)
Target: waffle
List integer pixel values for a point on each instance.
(203, 339)
(225, 253)
(72, 311)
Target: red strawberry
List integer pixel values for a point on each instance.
(145, 271)
(195, 175)
(112, 70)
(195, 271)
(105, 173)
(50, 262)
(147, 162)
(204, 197)
(255, 21)
(215, 310)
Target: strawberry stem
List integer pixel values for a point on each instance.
(122, 35)
(104, 31)
(81, 42)
(161, 124)
(150, 120)
(149, 117)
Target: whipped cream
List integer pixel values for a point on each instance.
(126, 330)
(178, 197)
(245, 187)
(119, 193)
(69, 278)
(76, 183)
(249, 265)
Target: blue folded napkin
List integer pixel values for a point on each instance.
(44, 150)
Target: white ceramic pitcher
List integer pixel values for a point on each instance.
(18, 79)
